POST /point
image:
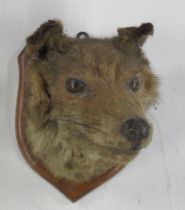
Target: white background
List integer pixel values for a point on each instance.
(155, 180)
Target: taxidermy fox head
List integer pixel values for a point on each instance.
(85, 100)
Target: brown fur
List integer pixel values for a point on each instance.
(77, 137)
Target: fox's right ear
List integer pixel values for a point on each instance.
(49, 36)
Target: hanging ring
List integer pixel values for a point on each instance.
(82, 35)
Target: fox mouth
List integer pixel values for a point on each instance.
(82, 128)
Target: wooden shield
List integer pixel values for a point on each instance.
(46, 43)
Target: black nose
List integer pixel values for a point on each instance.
(135, 129)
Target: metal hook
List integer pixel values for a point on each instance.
(82, 35)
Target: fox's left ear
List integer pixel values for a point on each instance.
(136, 34)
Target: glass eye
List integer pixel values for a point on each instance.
(74, 85)
(134, 84)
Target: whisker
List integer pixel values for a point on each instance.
(94, 121)
(85, 125)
